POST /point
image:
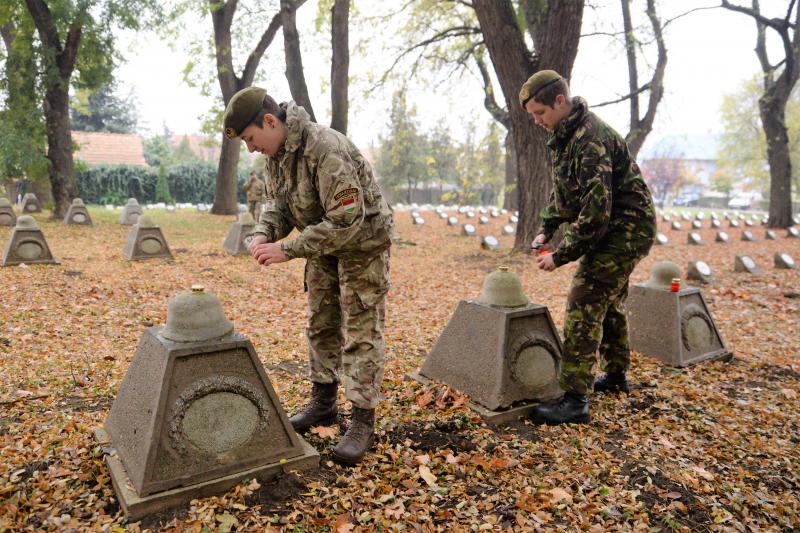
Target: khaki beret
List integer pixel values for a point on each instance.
(536, 83)
(242, 110)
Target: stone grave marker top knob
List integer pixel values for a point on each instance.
(503, 289)
(662, 275)
(195, 316)
(27, 222)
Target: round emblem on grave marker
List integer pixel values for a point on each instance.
(697, 333)
(150, 245)
(661, 239)
(29, 250)
(80, 218)
(703, 268)
(532, 363)
(748, 262)
(468, 229)
(787, 259)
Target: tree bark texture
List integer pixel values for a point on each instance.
(555, 29)
(222, 13)
(511, 198)
(772, 104)
(59, 65)
(294, 59)
(340, 64)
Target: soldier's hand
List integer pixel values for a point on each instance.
(545, 262)
(255, 241)
(269, 254)
(538, 241)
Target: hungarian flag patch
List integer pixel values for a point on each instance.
(348, 199)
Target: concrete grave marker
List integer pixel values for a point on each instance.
(442, 215)
(748, 236)
(500, 349)
(236, 241)
(685, 216)
(145, 241)
(494, 213)
(733, 223)
(661, 239)
(700, 215)
(78, 214)
(676, 226)
(469, 214)
(696, 224)
(483, 220)
(694, 239)
(195, 414)
(482, 210)
(792, 233)
(796, 219)
(745, 263)
(666, 218)
(513, 219)
(468, 230)
(452, 221)
(130, 213)
(674, 327)
(740, 216)
(770, 235)
(722, 237)
(508, 229)
(699, 271)
(419, 221)
(784, 261)
(715, 223)
(30, 204)
(27, 245)
(7, 215)
(749, 223)
(490, 242)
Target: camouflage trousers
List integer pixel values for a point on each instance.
(595, 318)
(254, 207)
(347, 307)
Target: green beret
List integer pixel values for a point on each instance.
(536, 83)
(242, 110)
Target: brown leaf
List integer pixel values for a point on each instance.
(326, 432)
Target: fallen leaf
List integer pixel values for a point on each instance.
(426, 474)
(326, 432)
(558, 494)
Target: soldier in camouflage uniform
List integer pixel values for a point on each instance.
(318, 182)
(254, 188)
(599, 192)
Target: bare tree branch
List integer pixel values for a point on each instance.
(489, 102)
(641, 89)
(673, 19)
(779, 25)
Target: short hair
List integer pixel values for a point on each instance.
(269, 107)
(547, 94)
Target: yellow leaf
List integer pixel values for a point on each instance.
(558, 494)
(426, 474)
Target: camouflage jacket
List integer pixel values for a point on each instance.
(254, 188)
(319, 183)
(597, 188)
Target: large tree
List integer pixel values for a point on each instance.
(103, 110)
(778, 81)
(554, 28)
(74, 37)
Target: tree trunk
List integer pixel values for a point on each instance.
(59, 151)
(294, 59)
(556, 31)
(225, 191)
(340, 64)
(780, 165)
(511, 198)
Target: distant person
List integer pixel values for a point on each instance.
(254, 188)
(318, 182)
(22, 186)
(598, 190)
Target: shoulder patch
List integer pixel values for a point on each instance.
(346, 193)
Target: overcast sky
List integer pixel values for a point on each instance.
(710, 54)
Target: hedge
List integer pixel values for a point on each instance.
(114, 184)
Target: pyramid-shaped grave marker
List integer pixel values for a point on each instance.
(238, 236)
(7, 215)
(30, 204)
(27, 244)
(145, 241)
(78, 214)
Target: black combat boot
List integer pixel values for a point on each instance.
(612, 382)
(572, 409)
(320, 411)
(358, 439)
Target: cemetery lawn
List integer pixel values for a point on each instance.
(713, 447)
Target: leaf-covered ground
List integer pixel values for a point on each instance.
(712, 447)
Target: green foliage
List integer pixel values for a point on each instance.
(157, 151)
(162, 187)
(743, 145)
(183, 154)
(103, 110)
(193, 183)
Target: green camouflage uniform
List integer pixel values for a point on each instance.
(254, 188)
(320, 184)
(599, 190)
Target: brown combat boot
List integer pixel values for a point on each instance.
(321, 410)
(358, 439)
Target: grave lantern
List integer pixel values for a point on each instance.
(674, 327)
(145, 241)
(500, 349)
(27, 245)
(195, 414)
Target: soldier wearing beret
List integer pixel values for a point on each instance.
(254, 188)
(599, 192)
(318, 182)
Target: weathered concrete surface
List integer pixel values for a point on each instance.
(7, 215)
(498, 356)
(130, 212)
(745, 263)
(235, 240)
(27, 245)
(145, 243)
(78, 214)
(30, 204)
(673, 327)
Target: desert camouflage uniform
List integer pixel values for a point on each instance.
(254, 188)
(320, 184)
(599, 190)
